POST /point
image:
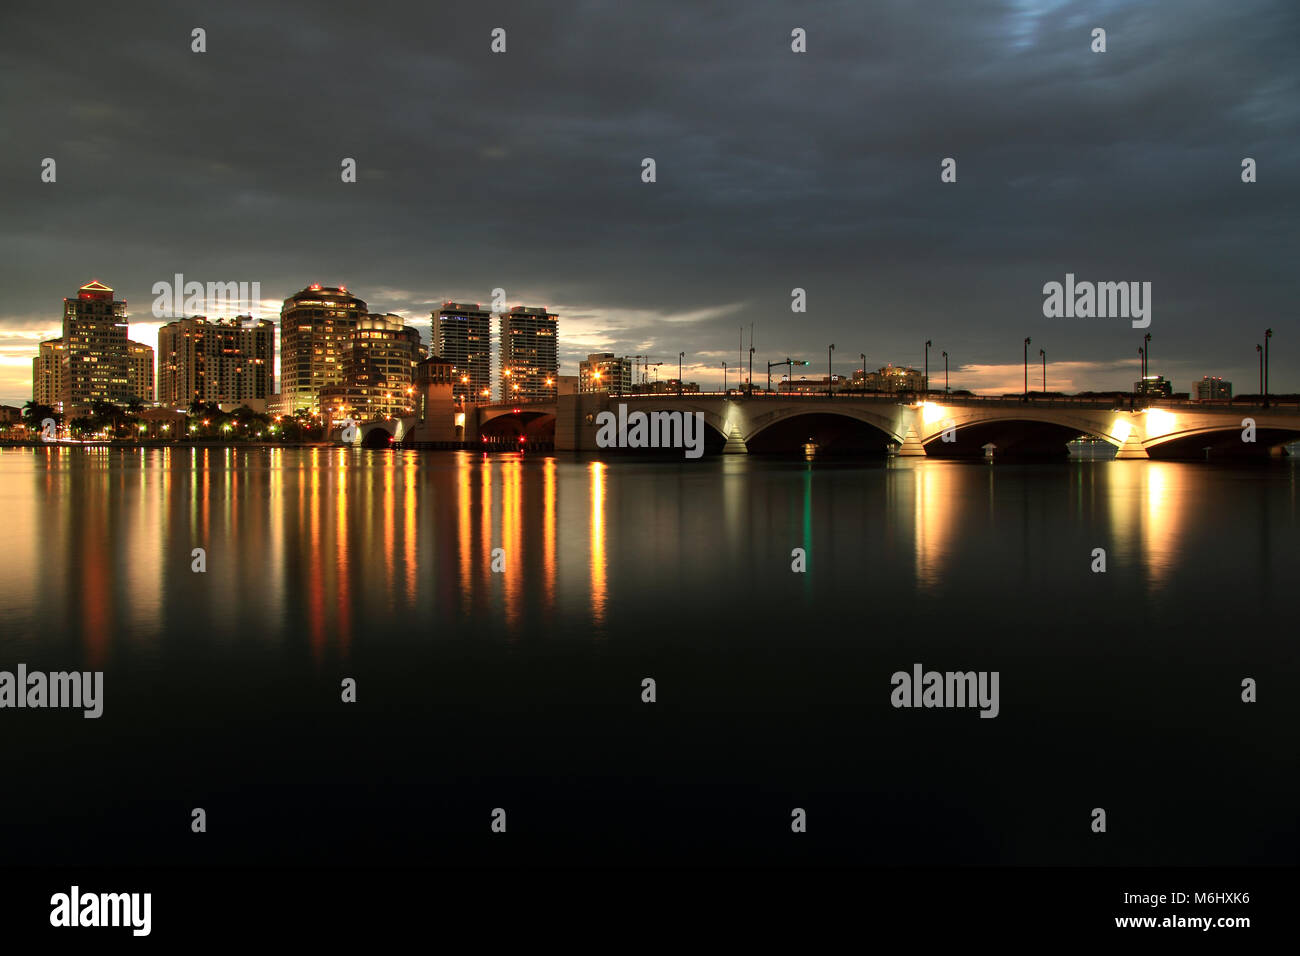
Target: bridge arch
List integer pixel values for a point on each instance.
(507, 425)
(844, 430)
(1219, 441)
(1022, 433)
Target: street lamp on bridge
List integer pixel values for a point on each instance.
(1260, 349)
(1268, 334)
(925, 379)
(830, 377)
(1026, 398)
(863, 356)
(945, 373)
(681, 356)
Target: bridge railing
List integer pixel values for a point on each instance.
(1117, 403)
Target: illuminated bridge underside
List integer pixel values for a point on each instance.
(865, 426)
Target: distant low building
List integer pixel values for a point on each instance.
(890, 379)
(667, 387)
(1210, 388)
(813, 386)
(1156, 385)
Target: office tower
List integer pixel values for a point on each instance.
(462, 335)
(315, 325)
(94, 336)
(604, 372)
(222, 361)
(378, 363)
(529, 356)
(139, 372)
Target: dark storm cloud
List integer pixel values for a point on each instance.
(775, 170)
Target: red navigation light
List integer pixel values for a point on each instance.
(516, 411)
(521, 437)
(343, 288)
(315, 285)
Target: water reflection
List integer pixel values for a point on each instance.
(320, 549)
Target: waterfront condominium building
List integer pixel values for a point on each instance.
(223, 361)
(378, 363)
(529, 355)
(95, 348)
(605, 372)
(315, 326)
(462, 335)
(139, 372)
(49, 374)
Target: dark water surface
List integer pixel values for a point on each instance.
(522, 689)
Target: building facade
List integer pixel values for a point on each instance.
(50, 374)
(378, 364)
(315, 329)
(94, 336)
(605, 372)
(462, 335)
(529, 354)
(215, 361)
(140, 372)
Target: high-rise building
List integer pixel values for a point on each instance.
(215, 361)
(139, 371)
(378, 364)
(462, 335)
(50, 374)
(315, 326)
(1210, 388)
(605, 372)
(529, 354)
(94, 334)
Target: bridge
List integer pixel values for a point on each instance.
(931, 425)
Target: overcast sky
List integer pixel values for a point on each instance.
(775, 170)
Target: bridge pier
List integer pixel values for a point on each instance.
(911, 447)
(1132, 449)
(735, 442)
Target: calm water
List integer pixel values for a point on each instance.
(522, 689)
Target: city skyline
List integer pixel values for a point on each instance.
(826, 176)
(149, 334)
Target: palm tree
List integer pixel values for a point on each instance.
(34, 413)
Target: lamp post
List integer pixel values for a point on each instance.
(925, 380)
(1146, 362)
(724, 378)
(863, 356)
(1142, 369)
(945, 373)
(750, 390)
(1260, 349)
(681, 357)
(1268, 334)
(1026, 398)
(1044, 355)
(830, 388)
